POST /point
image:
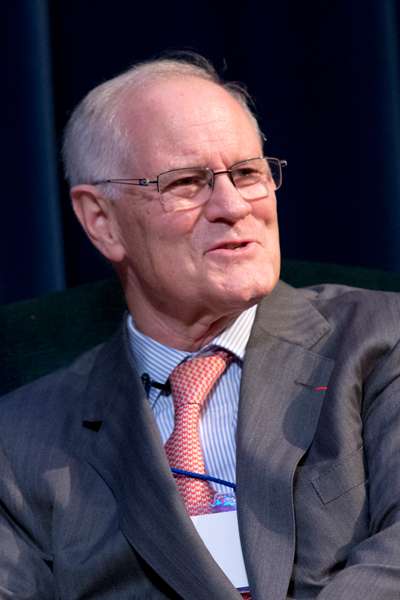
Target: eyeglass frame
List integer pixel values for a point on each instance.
(145, 182)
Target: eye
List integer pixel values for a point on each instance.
(189, 180)
(247, 175)
(185, 184)
(246, 171)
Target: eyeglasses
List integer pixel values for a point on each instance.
(190, 187)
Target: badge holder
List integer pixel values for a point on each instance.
(218, 528)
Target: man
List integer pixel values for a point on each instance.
(164, 183)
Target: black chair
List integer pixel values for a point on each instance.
(46, 333)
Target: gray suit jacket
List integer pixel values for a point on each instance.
(89, 509)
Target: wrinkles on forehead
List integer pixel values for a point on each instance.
(181, 119)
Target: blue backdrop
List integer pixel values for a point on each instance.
(325, 77)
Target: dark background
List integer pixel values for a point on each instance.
(325, 78)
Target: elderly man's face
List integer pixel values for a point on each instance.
(182, 264)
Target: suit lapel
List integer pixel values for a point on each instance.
(127, 452)
(281, 396)
(282, 391)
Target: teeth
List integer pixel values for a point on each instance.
(234, 246)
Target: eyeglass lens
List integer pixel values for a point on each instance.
(184, 188)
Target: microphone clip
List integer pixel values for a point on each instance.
(149, 383)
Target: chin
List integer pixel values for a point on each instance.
(251, 287)
(238, 298)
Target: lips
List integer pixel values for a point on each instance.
(230, 245)
(233, 250)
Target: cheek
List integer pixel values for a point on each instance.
(134, 220)
(163, 240)
(267, 217)
(266, 210)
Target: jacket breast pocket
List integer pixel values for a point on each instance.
(341, 477)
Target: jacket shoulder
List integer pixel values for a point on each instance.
(365, 314)
(333, 297)
(49, 396)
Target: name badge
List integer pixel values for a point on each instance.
(220, 533)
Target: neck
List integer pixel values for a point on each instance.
(176, 335)
(179, 334)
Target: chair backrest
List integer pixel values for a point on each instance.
(46, 333)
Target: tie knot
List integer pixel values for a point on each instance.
(192, 380)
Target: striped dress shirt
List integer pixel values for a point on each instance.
(219, 416)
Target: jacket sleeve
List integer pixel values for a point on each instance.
(373, 566)
(25, 568)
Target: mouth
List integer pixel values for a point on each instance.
(236, 246)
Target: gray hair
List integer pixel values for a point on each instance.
(95, 140)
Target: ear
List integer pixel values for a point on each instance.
(95, 214)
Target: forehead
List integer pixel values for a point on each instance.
(186, 121)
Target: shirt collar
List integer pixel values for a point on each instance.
(158, 360)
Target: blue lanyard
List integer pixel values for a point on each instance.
(204, 477)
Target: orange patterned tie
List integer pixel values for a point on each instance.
(191, 382)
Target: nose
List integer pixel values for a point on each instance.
(225, 202)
